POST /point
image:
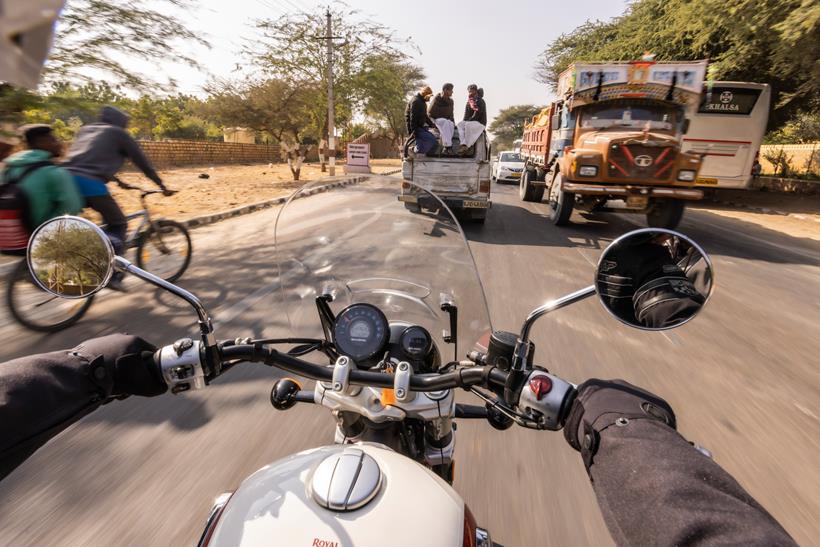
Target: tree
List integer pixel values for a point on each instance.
(386, 85)
(292, 50)
(94, 35)
(508, 125)
(772, 41)
(274, 106)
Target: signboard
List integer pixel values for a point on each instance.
(728, 100)
(358, 158)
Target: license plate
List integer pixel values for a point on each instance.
(706, 182)
(637, 202)
(475, 204)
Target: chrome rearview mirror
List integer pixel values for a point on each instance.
(654, 279)
(651, 279)
(70, 257)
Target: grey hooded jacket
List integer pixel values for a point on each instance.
(101, 148)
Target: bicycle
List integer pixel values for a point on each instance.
(39, 311)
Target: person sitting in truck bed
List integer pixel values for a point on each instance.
(418, 122)
(475, 118)
(441, 111)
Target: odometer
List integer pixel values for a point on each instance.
(361, 332)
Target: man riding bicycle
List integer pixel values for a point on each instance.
(94, 158)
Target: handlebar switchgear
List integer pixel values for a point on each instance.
(181, 365)
(546, 399)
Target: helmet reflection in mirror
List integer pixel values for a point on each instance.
(70, 257)
(654, 279)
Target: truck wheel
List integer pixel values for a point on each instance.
(526, 190)
(560, 203)
(665, 213)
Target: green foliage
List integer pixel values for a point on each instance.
(291, 50)
(770, 41)
(93, 35)
(386, 84)
(274, 106)
(804, 127)
(508, 125)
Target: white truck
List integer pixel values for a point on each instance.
(461, 181)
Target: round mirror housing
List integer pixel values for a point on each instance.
(654, 279)
(70, 257)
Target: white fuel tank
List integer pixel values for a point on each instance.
(340, 496)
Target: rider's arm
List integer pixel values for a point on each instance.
(653, 487)
(136, 155)
(41, 395)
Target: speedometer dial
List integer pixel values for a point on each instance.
(361, 332)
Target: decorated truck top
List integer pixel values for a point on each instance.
(677, 82)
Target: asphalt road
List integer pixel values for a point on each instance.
(743, 378)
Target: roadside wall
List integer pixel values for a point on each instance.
(801, 158)
(165, 154)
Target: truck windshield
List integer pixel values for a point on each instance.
(617, 116)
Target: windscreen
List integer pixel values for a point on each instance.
(361, 243)
(510, 157)
(628, 116)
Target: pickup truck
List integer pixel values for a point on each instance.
(461, 181)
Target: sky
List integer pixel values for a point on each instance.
(493, 43)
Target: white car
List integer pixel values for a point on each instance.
(508, 167)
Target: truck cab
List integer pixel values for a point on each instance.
(613, 142)
(460, 180)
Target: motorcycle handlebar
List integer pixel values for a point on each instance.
(542, 400)
(465, 377)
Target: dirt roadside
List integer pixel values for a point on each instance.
(226, 187)
(793, 214)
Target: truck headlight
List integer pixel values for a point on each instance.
(587, 171)
(686, 175)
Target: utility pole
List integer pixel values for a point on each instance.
(331, 128)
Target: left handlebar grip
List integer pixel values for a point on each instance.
(181, 365)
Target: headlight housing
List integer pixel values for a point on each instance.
(588, 171)
(686, 175)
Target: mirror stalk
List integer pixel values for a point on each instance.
(205, 325)
(522, 346)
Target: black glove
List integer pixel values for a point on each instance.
(122, 365)
(601, 404)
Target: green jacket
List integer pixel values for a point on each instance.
(51, 191)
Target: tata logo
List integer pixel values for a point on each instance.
(643, 161)
(726, 97)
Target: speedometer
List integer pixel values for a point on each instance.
(361, 332)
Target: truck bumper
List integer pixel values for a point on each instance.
(454, 203)
(585, 189)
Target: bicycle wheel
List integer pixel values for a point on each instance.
(165, 252)
(38, 310)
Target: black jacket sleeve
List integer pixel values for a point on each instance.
(654, 488)
(133, 151)
(40, 396)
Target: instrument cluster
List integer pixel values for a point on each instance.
(363, 333)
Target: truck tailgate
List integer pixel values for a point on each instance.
(446, 177)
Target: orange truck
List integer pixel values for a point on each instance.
(612, 141)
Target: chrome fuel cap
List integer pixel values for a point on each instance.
(346, 481)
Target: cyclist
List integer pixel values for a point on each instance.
(33, 189)
(94, 158)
